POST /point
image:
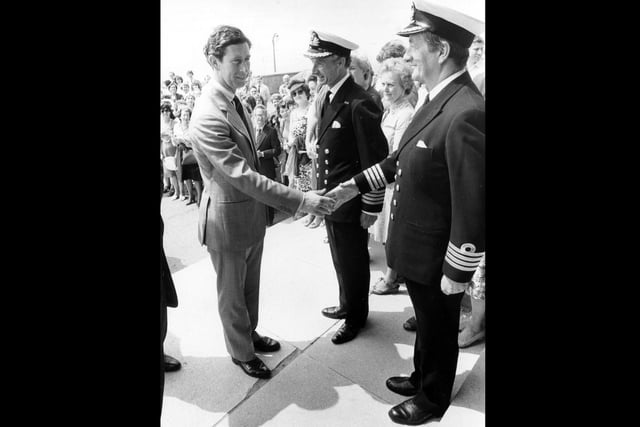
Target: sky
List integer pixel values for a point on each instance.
(186, 24)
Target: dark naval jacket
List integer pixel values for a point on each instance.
(437, 220)
(350, 139)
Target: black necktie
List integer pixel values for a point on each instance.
(325, 103)
(240, 111)
(426, 100)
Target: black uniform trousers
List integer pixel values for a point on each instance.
(350, 254)
(435, 354)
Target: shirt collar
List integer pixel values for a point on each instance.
(438, 88)
(335, 88)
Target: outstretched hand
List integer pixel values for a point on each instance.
(343, 193)
(316, 204)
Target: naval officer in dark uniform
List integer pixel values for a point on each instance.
(350, 140)
(436, 233)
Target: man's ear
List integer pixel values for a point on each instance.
(213, 61)
(445, 50)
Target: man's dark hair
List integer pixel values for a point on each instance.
(250, 101)
(223, 36)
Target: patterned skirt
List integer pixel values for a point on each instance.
(303, 180)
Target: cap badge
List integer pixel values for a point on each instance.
(315, 40)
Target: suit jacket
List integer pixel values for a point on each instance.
(269, 143)
(350, 140)
(232, 213)
(168, 296)
(437, 220)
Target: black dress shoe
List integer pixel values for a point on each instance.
(334, 312)
(265, 344)
(402, 385)
(345, 334)
(411, 324)
(171, 364)
(254, 368)
(409, 413)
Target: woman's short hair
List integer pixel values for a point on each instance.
(361, 61)
(223, 36)
(402, 69)
(196, 83)
(391, 49)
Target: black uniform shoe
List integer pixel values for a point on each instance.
(334, 312)
(409, 413)
(345, 334)
(411, 324)
(402, 385)
(171, 364)
(265, 344)
(254, 368)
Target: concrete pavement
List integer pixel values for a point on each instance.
(315, 382)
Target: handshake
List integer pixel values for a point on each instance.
(318, 204)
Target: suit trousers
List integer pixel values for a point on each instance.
(435, 354)
(271, 214)
(350, 254)
(238, 283)
(163, 334)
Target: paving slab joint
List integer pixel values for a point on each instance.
(262, 382)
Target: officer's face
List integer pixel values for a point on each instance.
(234, 68)
(328, 69)
(420, 58)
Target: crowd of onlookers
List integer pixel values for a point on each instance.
(291, 114)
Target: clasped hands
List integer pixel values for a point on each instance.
(319, 205)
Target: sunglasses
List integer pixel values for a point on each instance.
(297, 92)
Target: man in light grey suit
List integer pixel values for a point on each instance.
(233, 211)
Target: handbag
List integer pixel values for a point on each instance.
(170, 163)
